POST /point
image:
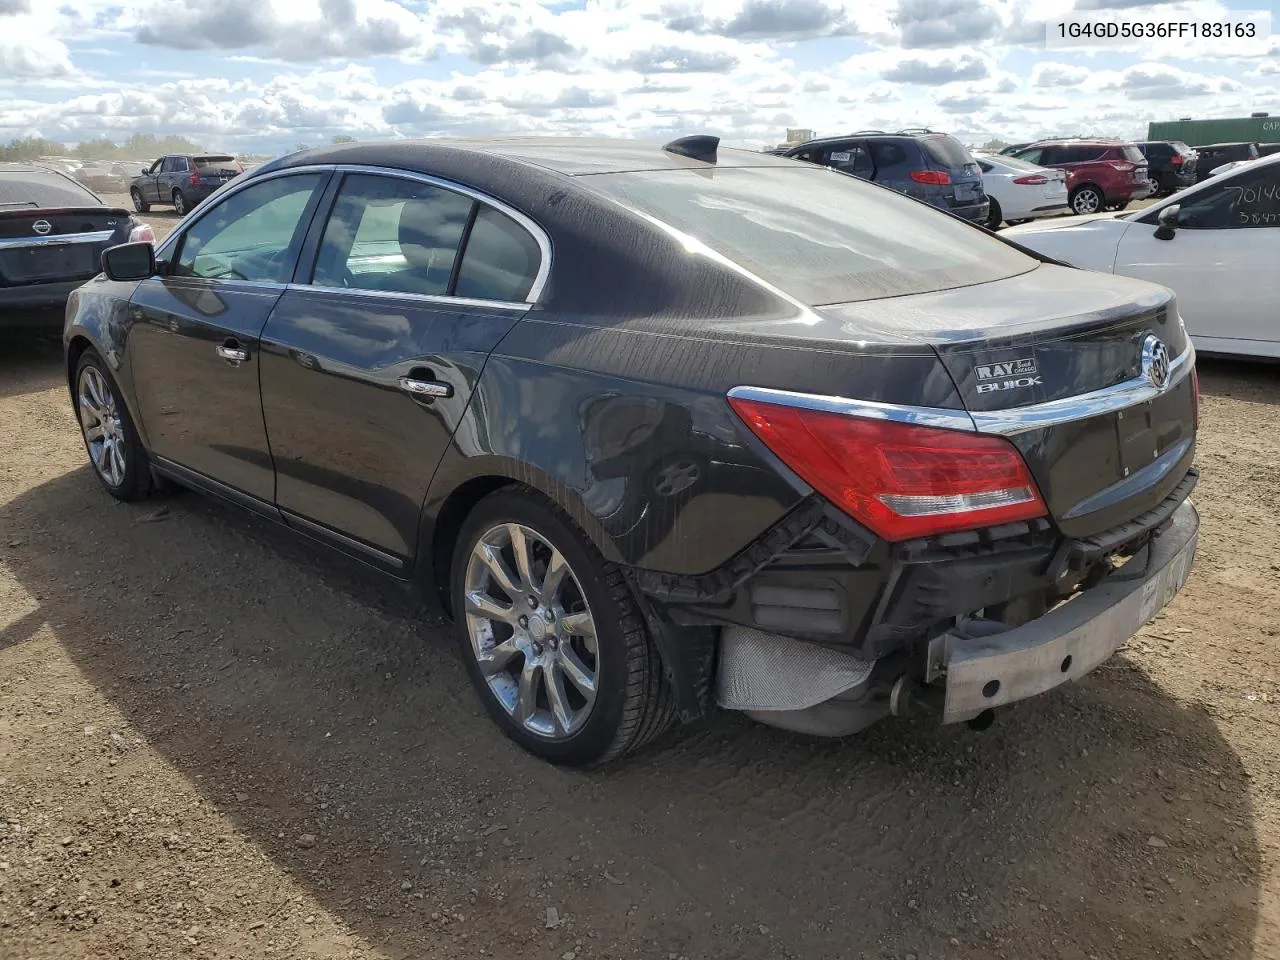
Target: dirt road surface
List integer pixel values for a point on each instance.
(216, 743)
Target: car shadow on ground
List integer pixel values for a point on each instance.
(1252, 380)
(29, 361)
(1107, 816)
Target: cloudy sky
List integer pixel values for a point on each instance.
(266, 74)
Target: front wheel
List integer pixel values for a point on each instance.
(551, 635)
(139, 204)
(110, 438)
(994, 216)
(179, 203)
(1087, 200)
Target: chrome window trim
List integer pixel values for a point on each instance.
(431, 298)
(96, 236)
(539, 235)
(528, 225)
(1036, 416)
(273, 286)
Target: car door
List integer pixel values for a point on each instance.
(369, 362)
(193, 345)
(175, 171)
(1222, 259)
(147, 185)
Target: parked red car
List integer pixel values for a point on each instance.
(1101, 174)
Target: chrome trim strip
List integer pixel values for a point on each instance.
(420, 297)
(64, 239)
(871, 409)
(1111, 399)
(1036, 416)
(267, 286)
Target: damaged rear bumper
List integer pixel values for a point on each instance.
(1074, 638)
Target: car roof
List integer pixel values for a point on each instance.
(571, 156)
(1229, 143)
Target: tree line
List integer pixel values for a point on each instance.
(138, 146)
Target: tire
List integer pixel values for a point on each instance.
(1087, 199)
(139, 204)
(115, 453)
(179, 203)
(1153, 183)
(994, 216)
(631, 704)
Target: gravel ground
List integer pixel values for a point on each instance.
(215, 742)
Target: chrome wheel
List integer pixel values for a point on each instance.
(179, 203)
(103, 429)
(1086, 201)
(531, 630)
(1153, 185)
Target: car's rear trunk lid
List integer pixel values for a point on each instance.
(41, 245)
(1052, 359)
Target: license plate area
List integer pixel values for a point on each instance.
(59, 262)
(1137, 438)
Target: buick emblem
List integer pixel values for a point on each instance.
(42, 227)
(1155, 361)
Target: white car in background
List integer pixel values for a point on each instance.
(1216, 245)
(1020, 190)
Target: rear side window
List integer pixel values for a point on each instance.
(392, 235)
(820, 237)
(1077, 154)
(946, 152)
(500, 261)
(886, 155)
(175, 165)
(42, 188)
(850, 158)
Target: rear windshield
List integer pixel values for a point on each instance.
(1014, 163)
(41, 188)
(216, 164)
(819, 235)
(946, 151)
(1179, 146)
(1131, 153)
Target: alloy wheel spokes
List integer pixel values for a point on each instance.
(103, 430)
(531, 630)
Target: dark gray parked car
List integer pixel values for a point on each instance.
(182, 180)
(662, 426)
(932, 167)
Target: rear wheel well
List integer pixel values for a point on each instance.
(448, 524)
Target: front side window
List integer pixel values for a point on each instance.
(253, 234)
(1246, 201)
(820, 237)
(392, 235)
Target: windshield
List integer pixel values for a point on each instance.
(42, 188)
(819, 235)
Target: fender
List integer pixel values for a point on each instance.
(99, 316)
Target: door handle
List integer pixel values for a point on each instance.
(233, 354)
(425, 388)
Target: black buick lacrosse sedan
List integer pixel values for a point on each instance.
(662, 427)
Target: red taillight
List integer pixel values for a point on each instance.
(900, 480)
(1195, 398)
(1177, 160)
(195, 179)
(939, 178)
(1034, 179)
(141, 232)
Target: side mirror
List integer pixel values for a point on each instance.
(144, 171)
(129, 261)
(1168, 222)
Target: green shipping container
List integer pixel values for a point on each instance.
(1197, 133)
